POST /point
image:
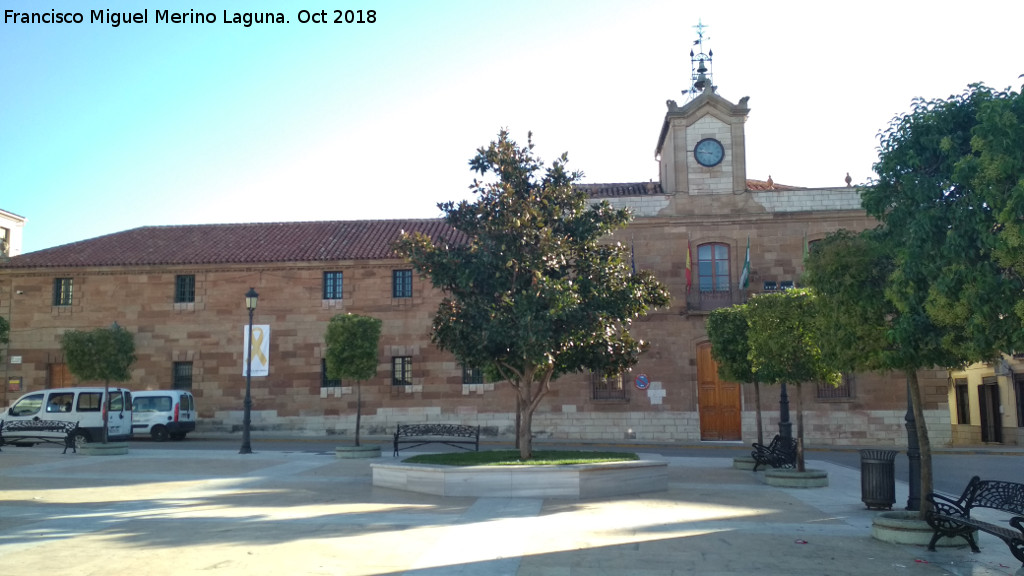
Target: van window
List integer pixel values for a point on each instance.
(60, 402)
(116, 402)
(89, 401)
(152, 404)
(28, 405)
(186, 400)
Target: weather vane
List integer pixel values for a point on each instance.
(700, 64)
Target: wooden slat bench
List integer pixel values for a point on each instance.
(25, 429)
(952, 518)
(779, 453)
(456, 435)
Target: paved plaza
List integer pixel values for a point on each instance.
(160, 512)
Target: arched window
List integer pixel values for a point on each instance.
(713, 267)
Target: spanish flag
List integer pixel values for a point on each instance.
(689, 266)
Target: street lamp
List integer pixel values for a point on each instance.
(250, 304)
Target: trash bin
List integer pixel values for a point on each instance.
(878, 478)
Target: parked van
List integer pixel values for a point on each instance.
(163, 414)
(81, 405)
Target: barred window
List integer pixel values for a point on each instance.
(333, 285)
(401, 370)
(472, 375)
(608, 387)
(62, 292)
(401, 284)
(325, 380)
(185, 288)
(843, 391)
(181, 376)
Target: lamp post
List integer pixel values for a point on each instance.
(250, 304)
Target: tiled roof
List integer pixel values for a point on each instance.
(622, 189)
(764, 186)
(258, 243)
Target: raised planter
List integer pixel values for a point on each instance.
(357, 452)
(101, 449)
(789, 478)
(743, 463)
(569, 481)
(904, 527)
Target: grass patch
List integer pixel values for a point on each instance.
(511, 458)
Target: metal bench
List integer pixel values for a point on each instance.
(779, 453)
(456, 435)
(32, 430)
(952, 518)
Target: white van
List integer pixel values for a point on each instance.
(81, 405)
(163, 414)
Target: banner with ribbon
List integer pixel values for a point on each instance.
(260, 362)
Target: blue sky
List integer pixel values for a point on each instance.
(103, 129)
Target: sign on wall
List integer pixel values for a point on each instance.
(260, 362)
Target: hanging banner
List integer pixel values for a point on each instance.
(260, 361)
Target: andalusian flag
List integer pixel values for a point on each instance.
(689, 266)
(745, 274)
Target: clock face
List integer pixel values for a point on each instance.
(708, 152)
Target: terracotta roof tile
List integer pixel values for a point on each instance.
(258, 243)
(622, 189)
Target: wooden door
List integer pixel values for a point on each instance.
(718, 401)
(58, 376)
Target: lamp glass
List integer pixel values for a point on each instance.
(250, 299)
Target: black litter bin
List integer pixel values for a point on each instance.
(878, 478)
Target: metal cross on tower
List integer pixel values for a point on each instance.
(700, 65)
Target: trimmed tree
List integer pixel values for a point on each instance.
(105, 354)
(533, 289)
(5, 330)
(352, 344)
(727, 330)
(783, 348)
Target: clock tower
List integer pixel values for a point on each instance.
(701, 148)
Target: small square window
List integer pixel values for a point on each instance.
(62, 292)
(325, 381)
(184, 288)
(608, 387)
(401, 370)
(401, 284)
(472, 375)
(843, 391)
(333, 285)
(182, 377)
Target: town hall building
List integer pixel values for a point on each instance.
(180, 290)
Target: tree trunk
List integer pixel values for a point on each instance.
(757, 413)
(922, 439)
(799, 428)
(530, 391)
(359, 407)
(525, 439)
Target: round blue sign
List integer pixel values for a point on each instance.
(642, 383)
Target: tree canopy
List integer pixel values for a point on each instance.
(5, 330)
(105, 354)
(537, 289)
(727, 330)
(950, 190)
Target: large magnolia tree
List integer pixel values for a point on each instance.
(533, 286)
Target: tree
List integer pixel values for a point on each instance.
(727, 330)
(5, 330)
(532, 287)
(352, 344)
(949, 197)
(102, 354)
(783, 349)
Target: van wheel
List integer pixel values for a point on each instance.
(81, 438)
(158, 433)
